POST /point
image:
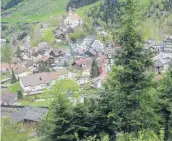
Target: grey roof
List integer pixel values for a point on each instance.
(39, 78)
(8, 98)
(29, 113)
(29, 63)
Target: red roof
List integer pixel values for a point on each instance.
(7, 66)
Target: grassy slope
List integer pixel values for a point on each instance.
(34, 10)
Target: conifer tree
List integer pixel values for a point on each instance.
(166, 104)
(13, 78)
(131, 86)
(94, 69)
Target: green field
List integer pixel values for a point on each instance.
(34, 10)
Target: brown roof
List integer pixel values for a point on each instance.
(39, 78)
(44, 58)
(9, 66)
(83, 61)
(21, 70)
(8, 98)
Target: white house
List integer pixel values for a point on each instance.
(72, 20)
(38, 82)
(97, 45)
(164, 58)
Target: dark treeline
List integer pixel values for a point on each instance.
(6, 4)
(80, 3)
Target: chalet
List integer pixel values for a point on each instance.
(97, 46)
(29, 116)
(48, 60)
(56, 53)
(8, 98)
(72, 20)
(83, 63)
(38, 82)
(162, 58)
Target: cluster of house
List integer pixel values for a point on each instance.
(26, 68)
(163, 51)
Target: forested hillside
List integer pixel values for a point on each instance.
(6, 4)
(80, 3)
(155, 16)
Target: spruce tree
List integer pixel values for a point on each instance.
(13, 78)
(165, 104)
(130, 84)
(19, 94)
(94, 69)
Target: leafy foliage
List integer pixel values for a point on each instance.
(12, 131)
(6, 54)
(147, 135)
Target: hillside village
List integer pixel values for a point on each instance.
(88, 61)
(74, 62)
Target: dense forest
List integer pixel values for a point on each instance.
(80, 3)
(6, 4)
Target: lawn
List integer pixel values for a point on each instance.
(47, 35)
(30, 11)
(13, 88)
(29, 102)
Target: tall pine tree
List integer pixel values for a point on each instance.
(13, 78)
(166, 104)
(94, 69)
(131, 86)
